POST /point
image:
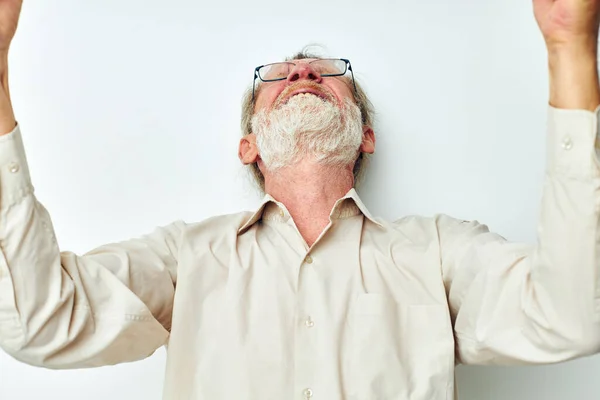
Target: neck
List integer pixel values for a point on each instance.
(309, 192)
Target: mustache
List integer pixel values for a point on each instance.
(304, 85)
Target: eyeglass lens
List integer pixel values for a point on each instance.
(324, 67)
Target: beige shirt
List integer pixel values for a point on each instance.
(373, 310)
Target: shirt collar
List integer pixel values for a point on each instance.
(271, 210)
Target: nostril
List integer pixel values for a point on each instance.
(312, 76)
(294, 77)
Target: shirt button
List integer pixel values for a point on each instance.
(13, 167)
(308, 259)
(281, 213)
(309, 323)
(567, 143)
(308, 393)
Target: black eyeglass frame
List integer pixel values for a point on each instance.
(257, 75)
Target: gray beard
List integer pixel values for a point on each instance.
(308, 128)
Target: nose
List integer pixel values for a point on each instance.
(304, 71)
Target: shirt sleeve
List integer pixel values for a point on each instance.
(515, 303)
(61, 310)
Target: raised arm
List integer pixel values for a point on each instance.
(59, 309)
(9, 19)
(570, 29)
(516, 304)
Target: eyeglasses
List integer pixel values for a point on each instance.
(281, 70)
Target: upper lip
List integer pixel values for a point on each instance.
(306, 90)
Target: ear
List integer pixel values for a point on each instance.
(248, 152)
(368, 143)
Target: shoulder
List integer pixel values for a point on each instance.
(220, 224)
(215, 232)
(427, 228)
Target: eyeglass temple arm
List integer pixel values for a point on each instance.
(254, 80)
(353, 81)
(352, 72)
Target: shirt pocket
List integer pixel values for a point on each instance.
(399, 351)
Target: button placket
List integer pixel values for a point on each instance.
(306, 356)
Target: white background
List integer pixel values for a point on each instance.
(130, 116)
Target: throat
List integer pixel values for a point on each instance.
(311, 228)
(309, 192)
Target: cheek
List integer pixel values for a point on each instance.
(267, 95)
(341, 91)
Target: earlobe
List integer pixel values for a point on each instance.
(248, 151)
(368, 143)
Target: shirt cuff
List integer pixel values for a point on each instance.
(573, 141)
(15, 181)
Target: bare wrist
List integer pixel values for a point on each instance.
(574, 82)
(583, 47)
(4, 70)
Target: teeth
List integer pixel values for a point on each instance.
(304, 95)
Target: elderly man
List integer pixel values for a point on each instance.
(310, 296)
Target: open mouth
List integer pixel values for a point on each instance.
(306, 91)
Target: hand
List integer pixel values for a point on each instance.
(9, 19)
(564, 22)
